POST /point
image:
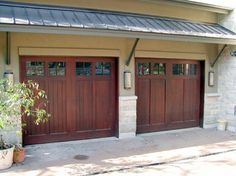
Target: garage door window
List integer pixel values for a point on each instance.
(56, 68)
(143, 69)
(83, 68)
(184, 69)
(178, 69)
(190, 69)
(103, 68)
(158, 69)
(34, 68)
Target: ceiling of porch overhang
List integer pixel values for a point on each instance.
(53, 19)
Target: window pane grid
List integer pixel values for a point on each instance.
(103, 68)
(83, 68)
(34, 68)
(143, 69)
(158, 69)
(56, 68)
(184, 69)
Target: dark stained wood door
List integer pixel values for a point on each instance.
(82, 97)
(168, 94)
(95, 97)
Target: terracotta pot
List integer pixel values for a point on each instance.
(19, 155)
(6, 158)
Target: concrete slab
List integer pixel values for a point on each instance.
(111, 154)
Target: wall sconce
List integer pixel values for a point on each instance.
(127, 80)
(8, 75)
(233, 53)
(211, 79)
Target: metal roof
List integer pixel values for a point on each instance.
(26, 15)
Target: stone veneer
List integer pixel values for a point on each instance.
(222, 105)
(211, 110)
(227, 87)
(127, 116)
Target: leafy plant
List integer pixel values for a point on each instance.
(21, 100)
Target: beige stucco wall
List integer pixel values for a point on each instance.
(135, 6)
(72, 45)
(2, 53)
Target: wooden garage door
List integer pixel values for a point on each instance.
(168, 94)
(82, 97)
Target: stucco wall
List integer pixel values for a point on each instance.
(36, 42)
(2, 52)
(144, 7)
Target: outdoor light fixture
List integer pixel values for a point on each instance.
(211, 78)
(127, 80)
(9, 76)
(233, 53)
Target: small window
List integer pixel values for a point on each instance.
(83, 68)
(185, 69)
(56, 68)
(103, 68)
(178, 69)
(192, 69)
(158, 69)
(143, 68)
(34, 68)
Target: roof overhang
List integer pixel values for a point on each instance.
(107, 33)
(57, 20)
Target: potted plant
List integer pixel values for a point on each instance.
(18, 154)
(6, 154)
(16, 101)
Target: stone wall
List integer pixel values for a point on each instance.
(127, 116)
(227, 75)
(227, 87)
(222, 105)
(211, 109)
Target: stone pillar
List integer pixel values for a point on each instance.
(211, 109)
(127, 116)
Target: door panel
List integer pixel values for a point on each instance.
(40, 129)
(143, 87)
(191, 100)
(157, 105)
(174, 101)
(168, 94)
(103, 110)
(84, 113)
(57, 105)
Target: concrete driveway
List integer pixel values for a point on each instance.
(193, 151)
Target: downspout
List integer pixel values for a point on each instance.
(8, 48)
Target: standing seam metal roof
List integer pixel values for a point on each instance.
(52, 16)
